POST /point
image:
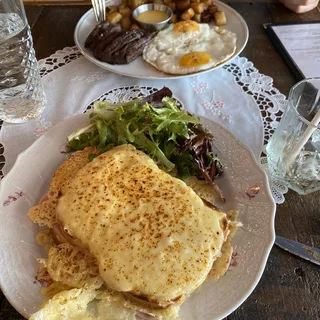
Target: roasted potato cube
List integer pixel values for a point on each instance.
(213, 9)
(174, 18)
(207, 2)
(197, 17)
(125, 11)
(205, 6)
(172, 5)
(197, 7)
(124, 3)
(126, 23)
(220, 18)
(182, 5)
(114, 17)
(206, 16)
(112, 9)
(134, 26)
(135, 3)
(188, 14)
(194, 1)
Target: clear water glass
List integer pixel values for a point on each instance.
(21, 93)
(298, 168)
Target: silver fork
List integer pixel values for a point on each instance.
(99, 8)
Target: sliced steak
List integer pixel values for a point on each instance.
(121, 42)
(131, 51)
(106, 36)
(101, 44)
(94, 34)
(136, 48)
(109, 43)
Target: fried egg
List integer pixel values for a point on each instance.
(188, 47)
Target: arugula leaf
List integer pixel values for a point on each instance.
(155, 124)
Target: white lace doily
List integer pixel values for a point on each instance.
(208, 96)
(269, 100)
(277, 188)
(58, 60)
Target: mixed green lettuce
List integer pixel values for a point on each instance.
(173, 138)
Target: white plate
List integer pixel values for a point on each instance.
(139, 68)
(28, 181)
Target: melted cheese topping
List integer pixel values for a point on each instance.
(150, 233)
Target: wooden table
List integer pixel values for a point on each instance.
(289, 288)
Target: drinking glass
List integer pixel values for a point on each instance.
(21, 94)
(293, 152)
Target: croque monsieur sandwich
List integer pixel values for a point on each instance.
(120, 227)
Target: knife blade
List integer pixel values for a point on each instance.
(299, 249)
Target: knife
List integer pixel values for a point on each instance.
(299, 249)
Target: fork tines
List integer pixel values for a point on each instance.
(99, 8)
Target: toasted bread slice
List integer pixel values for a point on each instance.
(151, 235)
(44, 213)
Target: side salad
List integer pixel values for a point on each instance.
(155, 124)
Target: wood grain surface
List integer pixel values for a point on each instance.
(289, 288)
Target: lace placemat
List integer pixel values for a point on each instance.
(72, 83)
(269, 100)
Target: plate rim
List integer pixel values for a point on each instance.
(271, 228)
(105, 65)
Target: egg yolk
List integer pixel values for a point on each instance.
(186, 26)
(194, 59)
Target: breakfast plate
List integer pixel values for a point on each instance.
(139, 68)
(243, 183)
